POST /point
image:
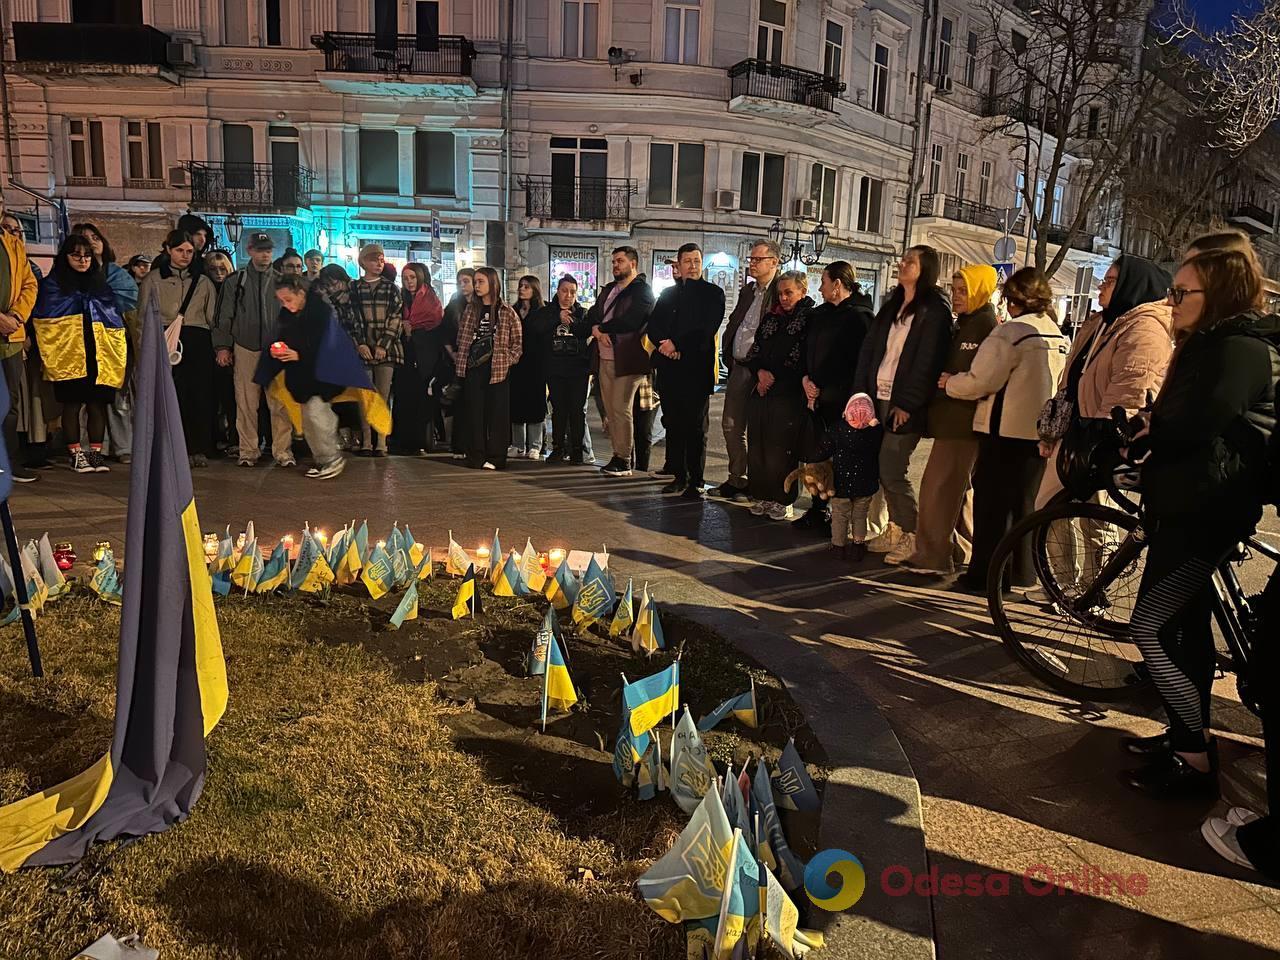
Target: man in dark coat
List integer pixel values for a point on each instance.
(683, 330)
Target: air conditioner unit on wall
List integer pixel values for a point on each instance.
(180, 53)
(803, 208)
(727, 199)
(179, 177)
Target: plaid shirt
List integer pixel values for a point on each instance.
(647, 396)
(374, 318)
(508, 343)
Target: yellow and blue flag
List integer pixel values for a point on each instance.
(416, 552)
(378, 574)
(792, 782)
(309, 550)
(687, 882)
(105, 581)
(595, 597)
(361, 539)
(557, 686)
(336, 548)
(624, 616)
(172, 680)
(782, 919)
(408, 607)
(652, 699)
(495, 558)
(647, 635)
(8, 589)
(736, 807)
(248, 567)
(650, 774)
(467, 603)
(226, 558)
(562, 588)
(537, 659)
(37, 590)
(456, 561)
(49, 572)
(531, 568)
(395, 540)
(317, 577)
(350, 562)
(692, 773)
(509, 583)
(627, 751)
(772, 842)
(743, 708)
(401, 572)
(275, 571)
(738, 925)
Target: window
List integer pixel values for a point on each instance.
(675, 175)
(935, 168)
(870, 199)
(1058, 191)
(581, 28)
(273, 22)
(1093, 124)
(833, 52)
(822, 191)
(762, 183)
(682, 24)
(579, 166)
(143, 149)
(1040, 189)
(984, 183)
(962, 175)
(771, 24)
(85, 137)
(880, 80)
(971, 60)
(946, 32)
(379, 161)
(237, 155)
(1022, 186)
(433, 164)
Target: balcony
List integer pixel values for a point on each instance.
(1019, 111)
(597, 199)
(1252, 217)
(963, 211)
(411, 65)
(85, 50)
(249, 187)
(1075, 239)
(781, 92)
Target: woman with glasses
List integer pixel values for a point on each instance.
(83, 348)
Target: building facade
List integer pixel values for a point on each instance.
(535, 135)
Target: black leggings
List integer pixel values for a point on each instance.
(1172, 625)
(97, 417)
(1260, 840)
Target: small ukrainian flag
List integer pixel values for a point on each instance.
(557, 686)
(361, 540)
(416, 552)
(648, 635)
(595, 600)
(651, 699)
(531, 568)
(379, 574)
(37, 590)
(408, 608)
(456, 561)
(350, 562)
(53, 578)
(537, 661)
(562, 588)
(468, 600)
(275, 572)
(248, 567)
(395, 540)
(226, 558)
(337, 548)
(509, 582)
(106, 581)
(317, 577)
(495, 557)
(624, 616)
(743, 708)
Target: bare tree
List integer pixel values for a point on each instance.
(1237, 77)
(1071, 92)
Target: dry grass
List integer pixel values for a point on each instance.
(339, 819)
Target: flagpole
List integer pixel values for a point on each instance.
(726, 893)
(20, 591)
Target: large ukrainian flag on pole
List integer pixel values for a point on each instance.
(171, 686)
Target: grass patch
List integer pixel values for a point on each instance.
(370, 794)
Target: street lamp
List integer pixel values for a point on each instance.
(234, 229)
(817, 240)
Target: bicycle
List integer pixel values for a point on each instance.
(1076, 642)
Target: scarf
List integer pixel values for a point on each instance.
(423, 312)
(860, 412)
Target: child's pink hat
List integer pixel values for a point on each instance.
(860, 412)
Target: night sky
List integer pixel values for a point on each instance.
(1216, 13)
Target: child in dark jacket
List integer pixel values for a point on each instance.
(853, 445)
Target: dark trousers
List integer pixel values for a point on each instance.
(486, 418)
(224, 415)
(773, 442)
(13, 383)
(642, 435)
(568, 413)
(193, 379)
(1005, 480)
(1260, 840)
(687, 419)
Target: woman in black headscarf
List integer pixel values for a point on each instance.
(1119, 356)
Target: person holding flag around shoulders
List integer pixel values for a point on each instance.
(311, 365)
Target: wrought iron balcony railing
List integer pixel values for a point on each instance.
(1252, 212)
(582, 198)
(126, 44)
(963, 211)
(1076, 239)
(776, 81)
(408, 53)
(1017, 109)
(251, 187)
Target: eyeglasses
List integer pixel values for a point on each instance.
(79, 256)
(1178, 294)
(1107, 282)
(761, 259)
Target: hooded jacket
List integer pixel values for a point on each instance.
(951, 418)
(22, 283)
(920, 364)
(1013, 374)
(1211, 427)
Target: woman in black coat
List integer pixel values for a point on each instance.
(562, 325)
(899, 366)
(833, 340)
(529, 376)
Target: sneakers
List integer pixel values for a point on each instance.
(80, 463)
(903, 550)
(22, 475)
(1220, 834)
(197, 460)
(887, 540)
(778, 511)
(290, 462)
(673, 487)
(331, 469)
(617, 467)
(727, 491)
(97, 461)
(125, 459)
(694, 492)
(759, 507)
(535, 455)
(247, 463)
(488, 466)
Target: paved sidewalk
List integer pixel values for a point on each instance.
(1011, 777)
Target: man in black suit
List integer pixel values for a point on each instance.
(683, 330)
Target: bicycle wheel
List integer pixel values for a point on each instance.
(1090, 563)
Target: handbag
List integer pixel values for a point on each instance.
(1087, 456)
(173, 332)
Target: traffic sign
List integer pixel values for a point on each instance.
(1003, 272)
(1005, 249)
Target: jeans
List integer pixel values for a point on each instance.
(527, 436)
(13, 383)
(320, 427)
(381, 375)
(895, 460)
(738, 389)
(120, 420)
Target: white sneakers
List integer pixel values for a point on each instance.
(887, 540)
(329, 470)
(902, 550)
(771, 509)
(534, 454)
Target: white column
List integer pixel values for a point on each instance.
(186, 16)
(324, 15)
(484, 20)
(405, 143)
(25, 11)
